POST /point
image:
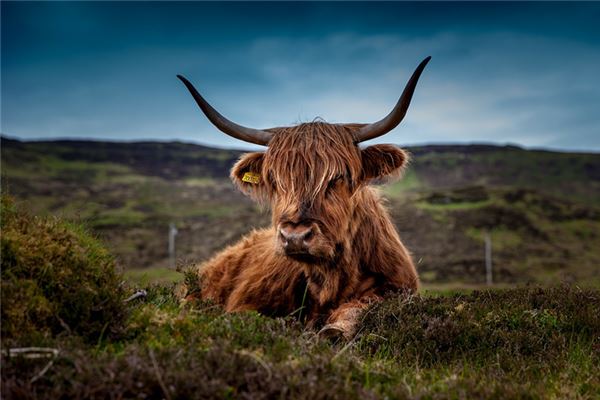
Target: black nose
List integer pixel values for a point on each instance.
(295, 239)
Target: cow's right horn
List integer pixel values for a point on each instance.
(392, 120)
(255, 136)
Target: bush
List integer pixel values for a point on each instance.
(56, 278)
(523, 343)
(512, 327)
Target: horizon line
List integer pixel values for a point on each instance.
(198, 143)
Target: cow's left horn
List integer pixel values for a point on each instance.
(385, 125)
(255, 136)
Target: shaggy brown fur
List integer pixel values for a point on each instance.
(315, 177)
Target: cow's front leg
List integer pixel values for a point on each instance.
(343, 321)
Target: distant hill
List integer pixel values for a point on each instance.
(575, 176)
(540, 207)
(166, 160)
(572, 175)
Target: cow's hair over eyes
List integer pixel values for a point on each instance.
(305, 158)
(323, 153)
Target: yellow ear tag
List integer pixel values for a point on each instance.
(251, 177)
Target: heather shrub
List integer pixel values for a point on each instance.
(56, 279)
(511, 327)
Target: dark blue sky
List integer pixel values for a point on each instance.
(524, 73)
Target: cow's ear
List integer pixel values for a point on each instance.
(246, 174)
(383, 161)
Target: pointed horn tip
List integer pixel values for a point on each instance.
(226, 126)
(393, 119)
(185, 81)
(187, 84)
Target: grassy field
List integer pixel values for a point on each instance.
(540, 208)
(60, 291)
(523, 343)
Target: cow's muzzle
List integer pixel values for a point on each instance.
(296, 239)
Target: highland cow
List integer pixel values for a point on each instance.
(331, 249)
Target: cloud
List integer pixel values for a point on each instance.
(499, 87)
(491, 86)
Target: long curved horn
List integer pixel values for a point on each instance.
(392, 120)
(255, 136)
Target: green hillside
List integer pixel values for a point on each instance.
(573, 176)
(540, 207)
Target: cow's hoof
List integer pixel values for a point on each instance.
(332, 331)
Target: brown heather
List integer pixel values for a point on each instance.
(501, 344)
(56, 279)
(519, 343)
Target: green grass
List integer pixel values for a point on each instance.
(501, 238)
(54, 167)
(453, 206)
(457, 287)
(528, 342)
(60, 290)
(199, 182)
(155, 275)
(118, 217)
(409, 182)
(143, 277)
(566, 175)
(56, 278)
(541, 207)
(535, 237)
